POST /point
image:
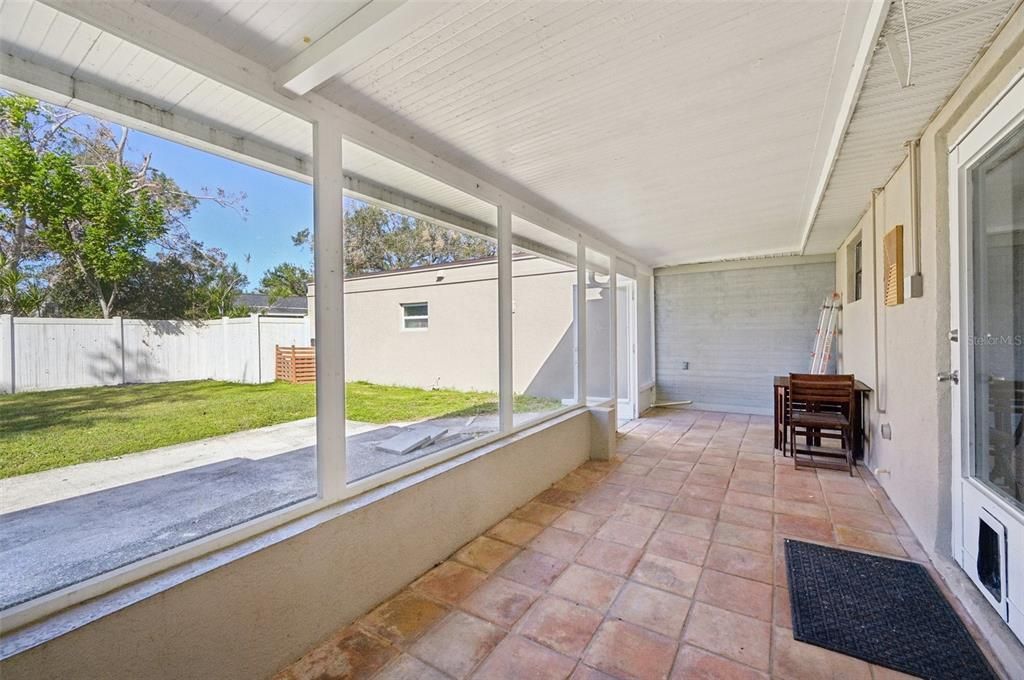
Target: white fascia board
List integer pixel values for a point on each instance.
(394, 199)
(42, 82)
(147, 28)
(858, 71)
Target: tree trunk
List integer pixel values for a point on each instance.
(104, 307)
(108, 305)
(97, 289)
(18, 243)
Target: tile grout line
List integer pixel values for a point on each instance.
(575, 488)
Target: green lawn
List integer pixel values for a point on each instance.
(44, 430)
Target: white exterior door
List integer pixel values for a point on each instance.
(987, 354)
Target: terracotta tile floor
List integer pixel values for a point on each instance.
(663, 563)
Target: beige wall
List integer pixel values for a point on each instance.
(911, 338)
(250, 617)
(459, 349)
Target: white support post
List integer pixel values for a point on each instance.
(653, 339)
(255, 320)
(632, 348)
(613, 334)
(329, 273)
(221, 372)
(505, 364)
(7, 373)
(581, 321)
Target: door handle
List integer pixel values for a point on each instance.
(952, 376)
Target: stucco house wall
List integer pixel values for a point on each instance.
(910, 341)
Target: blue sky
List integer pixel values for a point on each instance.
(277, 206)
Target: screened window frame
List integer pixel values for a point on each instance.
(333, 488)
(522, 249)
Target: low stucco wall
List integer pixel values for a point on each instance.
(250, 617)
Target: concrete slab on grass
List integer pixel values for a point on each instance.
(411, 438)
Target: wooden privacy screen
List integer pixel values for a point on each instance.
(295, 364)
(892, 248)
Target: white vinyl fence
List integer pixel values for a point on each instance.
(47, 354)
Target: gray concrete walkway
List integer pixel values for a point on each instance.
(61, 527)
(39, 488)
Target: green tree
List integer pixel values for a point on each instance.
(100, 221)
(75, 210)
(218, 284)
(31, 144)
(18, 296)
(378, 240)
(284, 280)
(196, 285)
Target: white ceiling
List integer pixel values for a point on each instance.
(685, 131)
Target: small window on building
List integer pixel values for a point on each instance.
(858, 270)
(414, 316)
(854, 269)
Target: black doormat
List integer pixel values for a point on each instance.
(887, 612)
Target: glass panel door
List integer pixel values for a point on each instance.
(997, 319)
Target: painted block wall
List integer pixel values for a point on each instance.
(737, 327)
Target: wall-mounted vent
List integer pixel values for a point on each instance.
(893, 253)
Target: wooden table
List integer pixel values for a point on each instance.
(859, 408)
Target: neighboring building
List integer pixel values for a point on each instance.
(258, 303)
(437, 326)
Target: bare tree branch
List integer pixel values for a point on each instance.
(121, 145)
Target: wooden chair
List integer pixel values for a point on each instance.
(819, 409)
(1006, 434)
(786, 406)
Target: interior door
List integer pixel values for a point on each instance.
(987, 357)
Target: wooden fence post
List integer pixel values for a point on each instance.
(7, 374)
